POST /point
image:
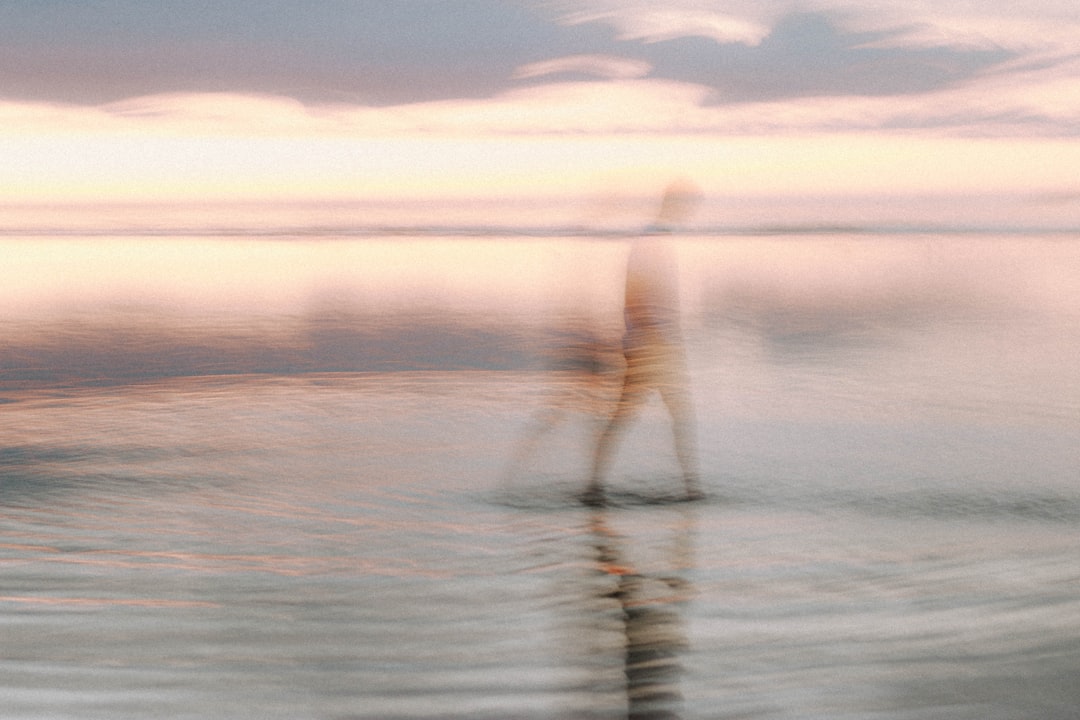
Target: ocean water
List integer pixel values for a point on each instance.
(283, 477)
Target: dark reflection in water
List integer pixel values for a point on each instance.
(652, 624)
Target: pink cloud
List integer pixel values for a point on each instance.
(601, 66)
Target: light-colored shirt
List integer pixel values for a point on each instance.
(651, 307)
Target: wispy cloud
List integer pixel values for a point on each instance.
(919, 23)
(599, 66)
(650, 22)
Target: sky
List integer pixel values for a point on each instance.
(162, 100)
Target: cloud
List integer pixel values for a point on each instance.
(383, 53)
(809, 55)
(600, 66)
(1033, 26)
(652, 23)
(1020, 100)
(757, 50)
(916, 23)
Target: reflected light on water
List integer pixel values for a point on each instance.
(82, 602)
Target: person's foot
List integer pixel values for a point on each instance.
(593, 496)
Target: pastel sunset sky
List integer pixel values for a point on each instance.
(160, 100)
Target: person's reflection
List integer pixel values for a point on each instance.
(652, 623)
(652, 345)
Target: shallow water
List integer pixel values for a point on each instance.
(890, 531)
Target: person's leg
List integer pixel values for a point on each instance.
(676, 397)
(629, 401)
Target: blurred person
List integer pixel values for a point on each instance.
(652, 344)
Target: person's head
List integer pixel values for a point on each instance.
(680, 201)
